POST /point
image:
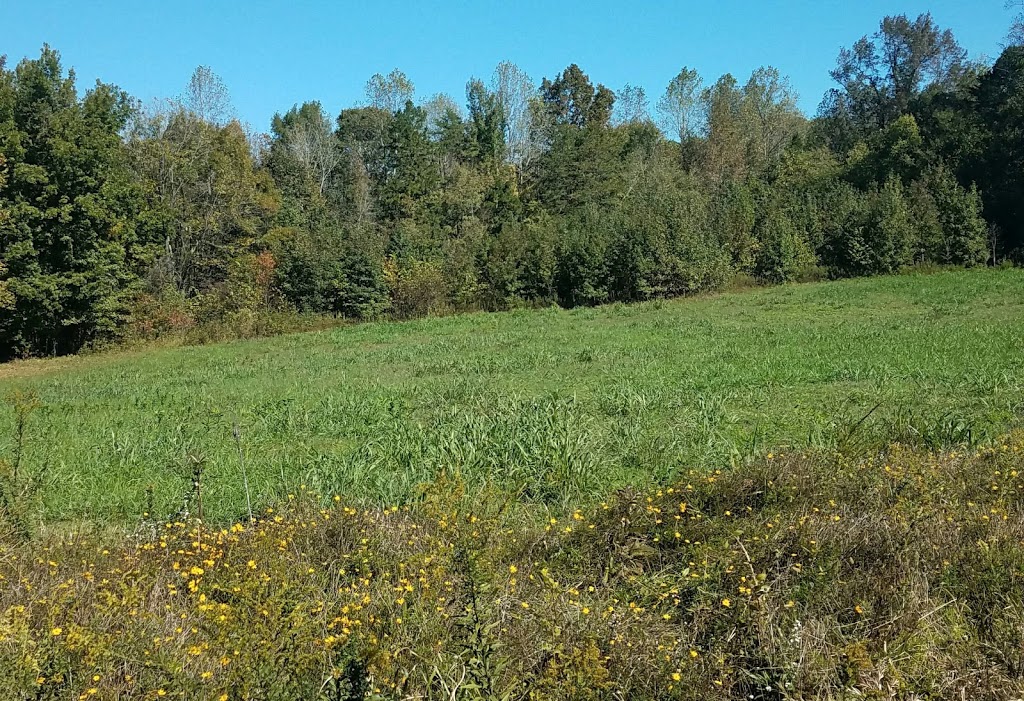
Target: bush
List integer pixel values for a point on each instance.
(419, 290)
(154, 316)
(964, 232)
(581, 255)
(324, 278)
(878, 237)
(783, 251)
(734, 217)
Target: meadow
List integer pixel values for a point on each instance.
(803, 492)
(257, 444)
(558, 406)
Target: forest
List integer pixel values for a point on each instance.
(120, 220)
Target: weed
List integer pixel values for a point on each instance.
(895, 575)
(19, 485)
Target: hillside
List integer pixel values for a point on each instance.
(683, 500)
(545, 386)
(563, 405)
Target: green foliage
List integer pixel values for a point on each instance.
(6, 295)
(734, 219)
(67, 208)
(572, 100)
(678, 107)
(875, 238)
(117, 222)
(897, 151)
(1000, 110)
(485, 123)
(964, 234)
(20, 483)
(660, 242)
(881, 76)
(305, 159)
(539, 262)
(327, 276)
(409, 174)
(891, 229)
(581, 254)
(783, 253)
(419, 290)
(725, 148)
(581, 168)
(209, 202)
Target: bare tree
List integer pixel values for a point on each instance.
(438, 108)
(200, 165)
(312, 143)
(514, 90)
(443, 116)
(208, 98)
(774, 118)
(631, 106)
(389, 92)
(1016, 34)
(168, 143)
(680, 109)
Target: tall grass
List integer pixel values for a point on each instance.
(801, 576)
(555, 405)
(804, 492)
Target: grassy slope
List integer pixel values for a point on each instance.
(562, 402)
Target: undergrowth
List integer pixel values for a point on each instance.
(897, 575)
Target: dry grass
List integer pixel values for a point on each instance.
(896, 576)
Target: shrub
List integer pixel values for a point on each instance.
(964, 232)
(154, 316)
(783, 251)
(580, 274)
(419, 290)
(878, 237)
(318, 278)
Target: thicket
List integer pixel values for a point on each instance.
(121, 221)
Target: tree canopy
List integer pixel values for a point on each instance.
(121, 220)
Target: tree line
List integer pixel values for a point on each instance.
(118, 219)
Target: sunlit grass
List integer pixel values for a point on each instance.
(796, 577)
(553, 405)
(678, 500)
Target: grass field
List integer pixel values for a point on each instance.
(697, 499)
(563, 405)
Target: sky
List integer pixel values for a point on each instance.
(273, 55)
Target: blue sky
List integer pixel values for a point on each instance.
(275, 54)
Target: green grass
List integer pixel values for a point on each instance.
(556, 403)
